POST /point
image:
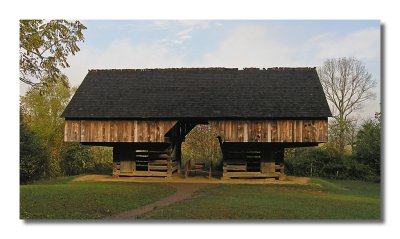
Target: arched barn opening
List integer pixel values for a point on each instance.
(145, 115)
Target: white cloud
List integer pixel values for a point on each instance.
(168, 24)
(250, 46)
(363, 44)
(182, 29)
(258, 46)
(121, 54)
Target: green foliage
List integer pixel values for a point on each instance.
(329, 161)
(326, 162)
(44, 48)
(41, 109)
(78, 159)
(101, 160)
(368, 145)
(342, 133)
(201, 145)
(75, 159)
(33, 159)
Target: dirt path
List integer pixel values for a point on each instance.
(176, 179)
(183, 191)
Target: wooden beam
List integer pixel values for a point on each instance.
(250, 175)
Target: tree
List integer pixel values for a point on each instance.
(347, 84)
(368, 145)
(33, 158)
(44, 48)
(41, 109)
(201, 145)
(75, 158)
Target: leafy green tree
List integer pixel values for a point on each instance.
(75, 159)
(44, 48)
(101, 160)
(41, 109)
(201, 145)
(33, 159)
(368, 145)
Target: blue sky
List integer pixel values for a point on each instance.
(227, 43)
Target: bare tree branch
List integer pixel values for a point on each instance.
(347, 84)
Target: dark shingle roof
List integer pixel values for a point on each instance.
(200, 93)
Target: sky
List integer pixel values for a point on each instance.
(116, 44)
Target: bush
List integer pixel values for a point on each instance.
(102, 159)
(100, 168)
(327, 163)
(33, 158)
(367, 148)
(79, 159)
(75, 159)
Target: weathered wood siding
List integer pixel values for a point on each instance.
(271, 130)
(116, 130)
(228, 130)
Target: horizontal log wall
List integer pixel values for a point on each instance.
(254, 163)
(135, 160)
(271, 130)
(116, 130)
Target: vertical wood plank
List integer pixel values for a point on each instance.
(278, 130)
(135, 131)
(235, 131)
(269, 132)
(84, 137)
(239, 137)
(245, 132)
(151, 126)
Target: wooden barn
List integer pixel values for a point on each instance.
(145, 114)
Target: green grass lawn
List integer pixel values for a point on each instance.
(64, 199)
(322, 199)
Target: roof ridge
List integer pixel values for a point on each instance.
(166, 69)
(196, 69)
(292, 68)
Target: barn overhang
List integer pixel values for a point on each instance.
(101, 132)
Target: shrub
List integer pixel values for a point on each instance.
(367, 148)
(33, 158)
(327, 163)
(75, 159)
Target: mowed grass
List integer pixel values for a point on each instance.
(64, 199)
(322, 199)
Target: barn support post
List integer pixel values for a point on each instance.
(171, 158)
(116, 164)
(268, 162)
(124, 159)
(178, 156)
(280, 163)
